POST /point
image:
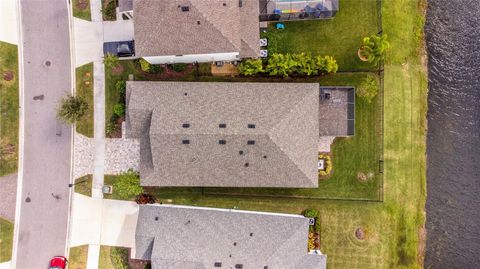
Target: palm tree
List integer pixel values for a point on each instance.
(373, 48)
(72, 109)
(110, 60)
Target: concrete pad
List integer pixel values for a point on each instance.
(8, 194)
(88, 41)
(85, 220)
(8, 21)
(5, 265)
(93, 256)
(120, 30)
(119, 221)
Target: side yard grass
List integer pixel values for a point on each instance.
(8, 108)
(6, 240)
(77, 258)
(81, 9)
(84, 88)
(83, 185)
(113, 258)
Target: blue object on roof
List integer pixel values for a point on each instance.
(280, 26)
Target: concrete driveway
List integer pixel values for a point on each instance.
(103, 222)
(90, 35)
(8, 21)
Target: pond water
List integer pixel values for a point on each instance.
(453, 141)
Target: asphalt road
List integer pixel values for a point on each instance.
(42, 213)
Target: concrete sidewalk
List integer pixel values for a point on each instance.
(8, 21)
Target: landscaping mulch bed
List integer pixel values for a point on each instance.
(137, 264)
(167, 73)
(117, 69)
(8, 75)
(82, 4)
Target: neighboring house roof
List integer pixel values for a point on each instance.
(178, 237)
(162, 28)
(279, 150)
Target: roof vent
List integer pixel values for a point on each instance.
(198, 22)
(246, 164)
(240, 152)
(264, 156)
(186, 142)
(185, 8)
(234, 243)
(217, 264)
(240, 3)
(222, 125)
(238, 266)
(251, 126)
(156, 218)
(224, 4)
(186, 125)
(251, 142)
(265, 267)
(251, 234)
(222, 142)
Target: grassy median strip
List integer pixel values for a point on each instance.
(84, 88)
(77, 258)
(8, 108)
(6, 240)
(81, 9)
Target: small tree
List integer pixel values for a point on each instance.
(368, 88)
(144, 65)
(119, 110)
(110, 60)
(251, 67)
(373, 48)
(127, 185)
(72, 109)
(331, 64)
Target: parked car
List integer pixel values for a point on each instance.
(58, 262)
(120, 48)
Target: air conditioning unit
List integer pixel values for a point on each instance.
(264, 53)
(263, 42)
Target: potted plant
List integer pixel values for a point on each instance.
(373, 48)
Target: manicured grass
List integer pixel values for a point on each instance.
(83, 185)
(113, 258)
(81, 9)
(6, 240)
(340, 37)
(8, 109)
(84, 88)
(77, 258)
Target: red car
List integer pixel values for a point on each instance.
(58, 262)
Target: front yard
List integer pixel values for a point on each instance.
(84, 89)
(8, 108)
(6, 240)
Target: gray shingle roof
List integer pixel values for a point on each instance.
(162, 28)
(191, 238)
(285, 137)
(125, 5)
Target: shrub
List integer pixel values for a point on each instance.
(373, 48)
(251, 67)
(72, 109)
(110, 60)
(302, 64)
(179, 67)
(111, 128)
(279, 65)
(311, 213)
(328, 165)
(368, 88)
(144, 65)
(145, 198)
(326, 64)
(119, 258)
(119, 110)
(121, 86)
(109, 11)
(127, 185)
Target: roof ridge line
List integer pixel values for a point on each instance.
(216, 28)
(281, 121)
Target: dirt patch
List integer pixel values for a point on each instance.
(362, 177)
(8, 75)
(138, 264)
(117, 69)
(360, 234)
(82, 4)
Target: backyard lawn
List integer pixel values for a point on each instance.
(8, 108)
(81, 9)
(339, 37)
(77, 258)
(84, 88)
(6, 240)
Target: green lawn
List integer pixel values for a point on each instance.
(113, 258)
(81, 9)
(83, 185)
(6, 240)
(77, 258)
(8, 109)
(84, 88)
(340, 37)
